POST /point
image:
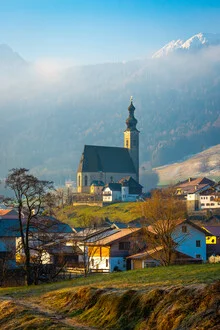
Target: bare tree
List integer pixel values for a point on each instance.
(29, 194)
(162, 213)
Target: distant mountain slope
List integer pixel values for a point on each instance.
(9, 58)
(206, 163)
(46, 118)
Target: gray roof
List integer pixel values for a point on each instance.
(48, 224)
(114, 186)
(9, 228)
(106, 159)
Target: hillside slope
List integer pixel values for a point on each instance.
(164, 298)
(206, 163)
(76, 216)
(46, 119)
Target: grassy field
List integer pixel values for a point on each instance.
(162, 298)
(136, 279)
(76, 215)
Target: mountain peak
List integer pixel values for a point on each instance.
(196, 42)
(8, 57)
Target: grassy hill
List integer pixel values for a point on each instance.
(76, 215)
(205, 163)
(168, 298)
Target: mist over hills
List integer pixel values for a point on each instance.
(47, 116)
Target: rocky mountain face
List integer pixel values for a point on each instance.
(46, 118)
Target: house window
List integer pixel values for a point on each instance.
(184, 229)
(124, 245)
(198, 256)
(92, 262)
(202, 204)
(207, 204)
(198, 243)
(86, 180)
(106, 263)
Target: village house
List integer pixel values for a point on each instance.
(48, 238)
(212, 240)
(191, 185)
(108, 252)
(189, 242)
(126, 190)
(204, 199)
(9, 231)
(96, 187)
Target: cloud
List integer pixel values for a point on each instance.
(50, 68)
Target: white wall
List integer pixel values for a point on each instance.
(207, 202)
(187, 241)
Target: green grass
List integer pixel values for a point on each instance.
(137, 279)
(162, 298)
(75, 215)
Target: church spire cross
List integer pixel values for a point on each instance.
(131, 121)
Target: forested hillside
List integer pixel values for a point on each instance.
(46, 117)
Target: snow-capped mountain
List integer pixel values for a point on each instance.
(196, 42)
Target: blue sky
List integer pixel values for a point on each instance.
(94, 31)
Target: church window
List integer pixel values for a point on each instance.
(79, 181)
(126, 143)
(86, 180)
(134, 143)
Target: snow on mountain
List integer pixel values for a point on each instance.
(196, 42)
(168, 48)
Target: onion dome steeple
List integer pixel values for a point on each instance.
(131, 121)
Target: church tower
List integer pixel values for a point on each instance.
(131, 138)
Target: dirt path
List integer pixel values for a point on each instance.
(36, 308)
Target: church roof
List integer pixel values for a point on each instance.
(106, 159)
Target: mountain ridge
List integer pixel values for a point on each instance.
(46, 120)
(197, 42)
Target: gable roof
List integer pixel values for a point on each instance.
(194, 182)
(121, 233)
(131, 182)
(176, 223)
(213, 230)
(113, 186)
(8, 213)
(150, 254)
(106, 159)
(49, 225)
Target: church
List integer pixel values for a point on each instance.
(111, 164)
